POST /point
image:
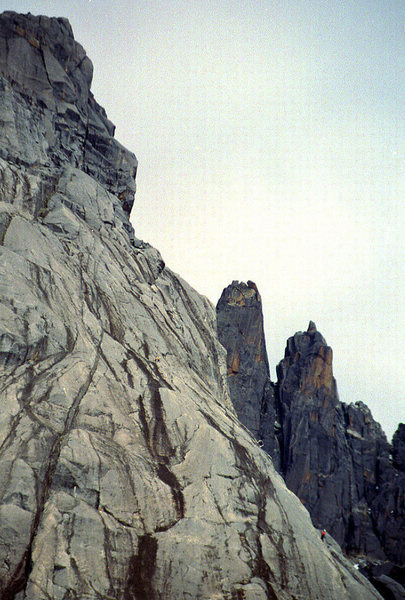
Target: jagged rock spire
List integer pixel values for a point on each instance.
(333, 456)
(311, 327)
(240, 331)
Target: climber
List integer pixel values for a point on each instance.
(323, 534)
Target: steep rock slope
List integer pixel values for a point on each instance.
(334, 457)
(124, 472)
(398, 448)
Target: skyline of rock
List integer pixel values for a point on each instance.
(125, 472)
(333, 456)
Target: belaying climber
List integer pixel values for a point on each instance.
(323, 534)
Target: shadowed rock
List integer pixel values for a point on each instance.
(315, 462)
(240, 331)
(398, 448)
(334, 457)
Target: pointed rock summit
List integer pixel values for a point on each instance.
(311, 327)
(333, 456)
(240, 331)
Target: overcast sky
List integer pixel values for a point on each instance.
(270, 139)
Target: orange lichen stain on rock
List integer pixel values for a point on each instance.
(250, 293)
(30, 39)
(239, 299)
(321, 374)
(307, 477)
(233, 368)
(19, 31)
(325, 402)
(314, 417)
(327, 355)
(34, 42)
(260, 350)
(259, 358)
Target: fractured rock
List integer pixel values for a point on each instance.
(48, 114)
(333, 456)
(240, 331)
(124, 471)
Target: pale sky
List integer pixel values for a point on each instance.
(270, 138)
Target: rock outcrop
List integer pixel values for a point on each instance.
(124, 471)
(314, 461)
(48, 114)
(240, 331)
(334, 457)
(398, 448)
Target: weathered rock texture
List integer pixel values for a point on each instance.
(334, 457)
(398, 448)
(124, 471)
(49, 116)
(240, 331)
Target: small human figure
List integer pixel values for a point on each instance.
(323, 534)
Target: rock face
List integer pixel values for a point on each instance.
(49, 116)
(398, 448)
(312, 438)
(334, 457)
(124, 471)
(240, 331)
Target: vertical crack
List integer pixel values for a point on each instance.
(158, 442)
(4, 225)
(19, 579)
(141, 569)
